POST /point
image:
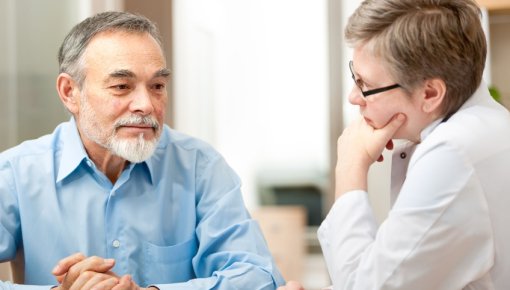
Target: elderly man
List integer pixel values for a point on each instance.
(115, 199)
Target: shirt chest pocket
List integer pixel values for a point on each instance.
(168, 264)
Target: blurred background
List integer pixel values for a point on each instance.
(263, 81)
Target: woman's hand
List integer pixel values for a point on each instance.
(358, 147)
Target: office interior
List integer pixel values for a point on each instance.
(264, 81)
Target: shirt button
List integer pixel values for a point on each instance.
(403, 155)
(116, 243)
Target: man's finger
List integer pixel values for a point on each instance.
(92, 280)
(109, 283)
(63, 265)
(292, 285)
(60, 278)
(125, 282)
(90, 264)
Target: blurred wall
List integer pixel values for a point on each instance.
(251, 78)
(30, 34)
(500, 57)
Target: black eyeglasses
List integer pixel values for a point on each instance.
(370, 92)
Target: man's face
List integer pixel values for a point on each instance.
(123, 98)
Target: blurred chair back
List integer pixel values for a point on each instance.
(284, 230)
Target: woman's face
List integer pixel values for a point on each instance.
(377, 109)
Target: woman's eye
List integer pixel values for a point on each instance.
(359, 83)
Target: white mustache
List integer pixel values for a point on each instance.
(138, 120)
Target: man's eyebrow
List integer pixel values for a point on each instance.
(164, 72)
(122, 73)
(125, 73)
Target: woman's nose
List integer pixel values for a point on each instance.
(356, 97)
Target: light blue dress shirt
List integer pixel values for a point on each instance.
(176, 221)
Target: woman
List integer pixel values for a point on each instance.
(417, 66)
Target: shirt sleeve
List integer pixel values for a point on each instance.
(9, 216)
(232, 252)
(9, 221)
(10, 286)
(437, 235)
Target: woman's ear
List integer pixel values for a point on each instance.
(434, 94)
(69, 92)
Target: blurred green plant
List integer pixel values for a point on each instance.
(495, 93)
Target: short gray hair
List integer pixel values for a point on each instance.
(424, 39)
(71, 51)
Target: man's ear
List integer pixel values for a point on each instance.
(434, 94)
(69, 92)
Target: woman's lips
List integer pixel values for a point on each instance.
(368, 121)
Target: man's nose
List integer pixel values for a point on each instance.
(142, 102)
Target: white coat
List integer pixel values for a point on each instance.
(449, 225)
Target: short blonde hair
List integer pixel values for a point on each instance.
(424, 39)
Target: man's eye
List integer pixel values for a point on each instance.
(158, 87)
(121, 87)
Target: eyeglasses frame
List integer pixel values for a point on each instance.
(373, 91)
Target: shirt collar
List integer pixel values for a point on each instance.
(73, 153)
(154, 163)
(481, 93)
(425, 132)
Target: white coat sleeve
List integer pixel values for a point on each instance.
(437, 235)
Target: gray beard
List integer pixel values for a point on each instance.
(134, 150)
